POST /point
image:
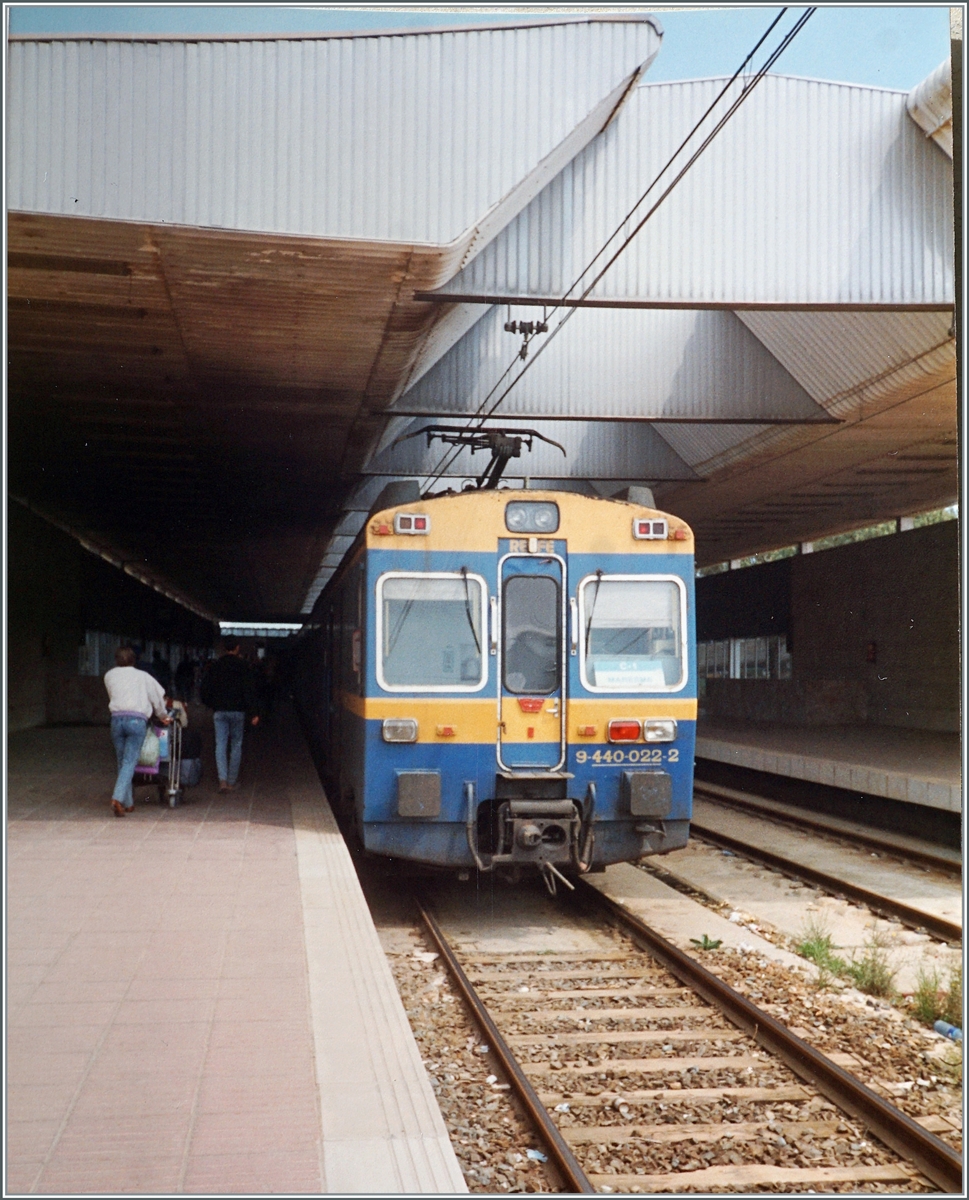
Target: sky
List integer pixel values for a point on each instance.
(886, 46)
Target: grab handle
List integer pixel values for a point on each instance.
(574, 624)
(494, 624)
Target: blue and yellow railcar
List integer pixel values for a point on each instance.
(505, 679)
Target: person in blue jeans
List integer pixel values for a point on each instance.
(133, 696)
(229, 689)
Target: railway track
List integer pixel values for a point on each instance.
(938, 859)
(644, 1072)
(835, 885)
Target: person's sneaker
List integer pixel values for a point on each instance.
(118, 808)
(223, 786)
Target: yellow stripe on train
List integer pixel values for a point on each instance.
(441, 720)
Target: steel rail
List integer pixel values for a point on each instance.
(780, 811)
(561, 1155)
(937, 1161)
(914, 918)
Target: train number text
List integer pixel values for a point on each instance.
(600, 758)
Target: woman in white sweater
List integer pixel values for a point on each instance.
(133, 696)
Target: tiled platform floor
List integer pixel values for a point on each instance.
(178, 980)
(912, 765)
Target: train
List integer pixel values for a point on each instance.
(503, 679)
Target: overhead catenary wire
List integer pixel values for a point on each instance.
(480, 416)
(483, 413)
(669, 162)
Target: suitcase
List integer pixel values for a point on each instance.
(191, 775)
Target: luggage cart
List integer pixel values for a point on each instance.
(166, 775)
(170, 790)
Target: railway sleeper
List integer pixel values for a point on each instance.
(725, 1131)
(747, 1175)
(624, 1119)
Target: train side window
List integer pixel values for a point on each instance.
(430, 630)
(530, 611)
(632, 633)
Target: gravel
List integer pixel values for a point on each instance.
(919, 1071)
(492, 1138)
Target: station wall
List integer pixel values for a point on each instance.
(56, 591)
(873, 630)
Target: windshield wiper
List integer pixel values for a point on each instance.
(467, 609)
(394, 634)
(588, 628)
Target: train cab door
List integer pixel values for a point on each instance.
(531, 728)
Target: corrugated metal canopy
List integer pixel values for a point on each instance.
(819, 200)
(814, 194)
(213, 249)
(849, 363)
(424, 132)
(929, 105)
(631, 364)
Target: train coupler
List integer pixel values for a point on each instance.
(543, 832)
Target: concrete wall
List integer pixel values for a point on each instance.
(788, 701)
(43, 613)
(754, 602)
(899, 593)
(55, 591)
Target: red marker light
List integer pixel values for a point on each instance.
(624, 731)
(527, 704)
(650, 528)
(383, 530)
(412, 523)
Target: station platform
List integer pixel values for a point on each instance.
(197, 998)
(917, 767)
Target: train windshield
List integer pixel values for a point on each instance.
(430, 632)
(531, 620)
(632, 634)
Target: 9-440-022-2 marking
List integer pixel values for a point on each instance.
(603, 758)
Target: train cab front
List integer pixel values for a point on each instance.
(596, 704)
(538, 705)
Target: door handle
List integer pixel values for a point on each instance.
(554, 710)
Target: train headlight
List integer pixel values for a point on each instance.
(418, 524)
(624, 731)
(651, 529)
(531, 516)
(399, 729)
(659, 731)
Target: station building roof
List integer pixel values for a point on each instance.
(230, 261)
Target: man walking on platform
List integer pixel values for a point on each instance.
(229, 689)
(133, 696)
